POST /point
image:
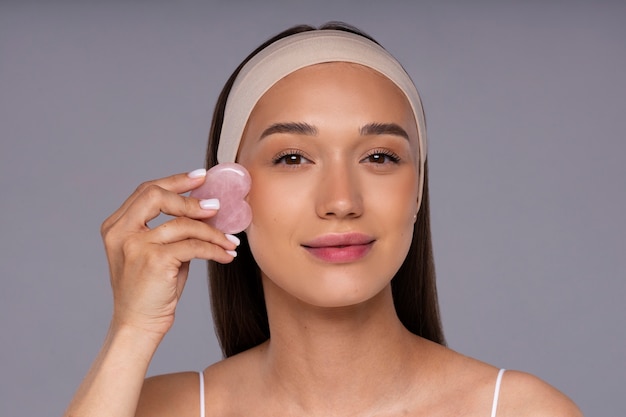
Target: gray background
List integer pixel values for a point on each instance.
(525, 106)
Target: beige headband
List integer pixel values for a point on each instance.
(294, 52)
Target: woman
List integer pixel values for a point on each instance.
(326, 305)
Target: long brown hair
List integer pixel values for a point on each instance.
(237, 300)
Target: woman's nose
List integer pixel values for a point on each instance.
(339, 192)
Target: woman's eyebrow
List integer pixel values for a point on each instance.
(383, 129)
(301, 128)
(298, 128)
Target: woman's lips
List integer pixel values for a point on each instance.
(340, 247)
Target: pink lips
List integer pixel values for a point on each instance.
(340, 247)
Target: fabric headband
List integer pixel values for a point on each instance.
(294, 52)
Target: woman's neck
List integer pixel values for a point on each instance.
(329, 357)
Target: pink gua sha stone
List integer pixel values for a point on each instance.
(230, 183)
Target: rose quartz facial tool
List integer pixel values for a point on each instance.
(230, 183)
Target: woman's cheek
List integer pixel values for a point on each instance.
(272, 207)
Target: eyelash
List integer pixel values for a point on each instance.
(280, 159)
(392, 156)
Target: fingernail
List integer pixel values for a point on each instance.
(232, 253)
(210, 204)
(233, 239)
(197, 173)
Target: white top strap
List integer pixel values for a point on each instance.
(201, 393)
(496, 393)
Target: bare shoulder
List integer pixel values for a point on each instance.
(230, 380)
(178, 394)
(175, 394)
(523, 394)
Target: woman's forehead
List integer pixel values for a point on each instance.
(333, 85)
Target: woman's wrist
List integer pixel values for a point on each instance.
(135, 340)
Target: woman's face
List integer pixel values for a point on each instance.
(332, 150)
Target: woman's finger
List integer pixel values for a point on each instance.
(155, 200)
(177, 184)
(186, 250)
(182, 228)
(183, 273)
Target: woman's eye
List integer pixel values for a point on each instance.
(380, 157)
(290, 158)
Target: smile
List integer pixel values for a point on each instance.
(340, 248)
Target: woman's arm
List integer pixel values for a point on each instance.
(148, 269)
(113, 384)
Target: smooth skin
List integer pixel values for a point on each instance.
(337, 345)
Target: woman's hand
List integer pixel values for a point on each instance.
(148, 272)
(149, 267)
